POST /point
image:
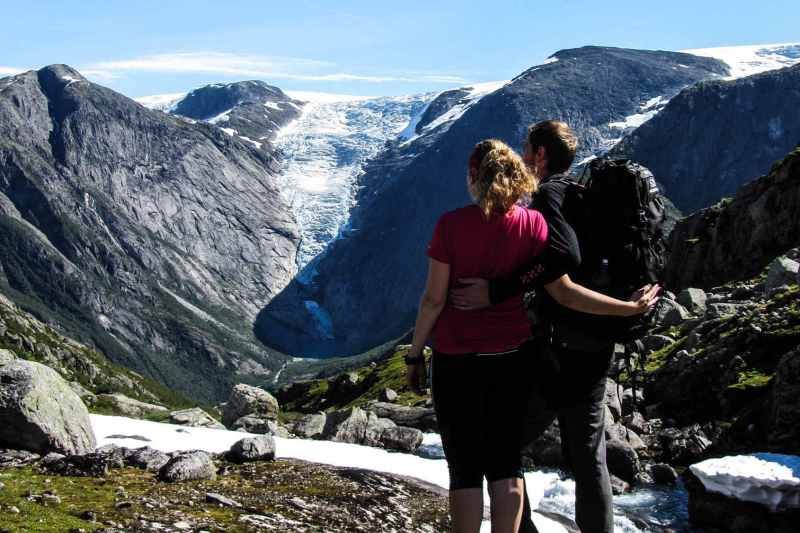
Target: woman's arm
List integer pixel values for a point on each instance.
(431, 304)
(579, 298)
(430, 307)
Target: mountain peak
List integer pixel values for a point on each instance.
(63, 74)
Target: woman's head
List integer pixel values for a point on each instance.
(498, 178)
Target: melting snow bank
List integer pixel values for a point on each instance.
(770, 479)
(547, 490)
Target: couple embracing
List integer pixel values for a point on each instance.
(489, 365)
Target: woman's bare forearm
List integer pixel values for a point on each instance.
(428, 314)
(579, 298)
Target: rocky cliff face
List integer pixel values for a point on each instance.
(364, 289)
(736, 238)
(250, 110)
(717, 135)
(153, 237)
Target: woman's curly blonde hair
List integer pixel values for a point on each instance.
(498, 177)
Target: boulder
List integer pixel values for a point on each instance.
(784, 432)
(401, 438)
(781, 271)
(147, 458)
(356, 427)
(683, 446)
(260, 448)
(422, 418)
(89, 465)
(248, 400)
(260, 426)
(17, 458)
(628, 403)
(663, 474)
(620, 432)
(722, 310)
(612, 398)
(129, 407)
(222, 501)
(619, 486)
(196, 465)
(546, 450)
(720, 499)
(654, 343)
(388, 395)
(39, 411)
(309, 426)
(670, 313)
(88, 397)
(6, 356)
(194, 417)
(636, 422)
(622, 460)
(694, 300)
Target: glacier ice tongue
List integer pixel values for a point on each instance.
(770, 479)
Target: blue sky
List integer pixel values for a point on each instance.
(357, 47)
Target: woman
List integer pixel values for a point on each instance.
(478, 370)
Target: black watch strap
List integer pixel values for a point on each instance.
(414, 360)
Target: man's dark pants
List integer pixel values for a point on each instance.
(577, 398)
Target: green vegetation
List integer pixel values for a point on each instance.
(751, 379)
(657, 359)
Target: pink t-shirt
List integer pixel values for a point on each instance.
(475, 247)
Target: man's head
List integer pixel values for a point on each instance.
(550, 147)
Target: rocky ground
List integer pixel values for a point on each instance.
(283, 495)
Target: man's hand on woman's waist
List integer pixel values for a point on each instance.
(472, 294)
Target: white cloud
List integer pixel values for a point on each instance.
(248, 65)
(10, 71)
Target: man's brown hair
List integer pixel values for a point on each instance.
(558, 141)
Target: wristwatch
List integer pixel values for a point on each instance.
(414, 360)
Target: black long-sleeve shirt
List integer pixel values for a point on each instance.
(562, 255)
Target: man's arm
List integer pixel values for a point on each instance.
(562, 255)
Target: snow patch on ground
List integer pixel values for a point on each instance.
(770, 479)
(230, 131)
(272, 105)
(222, 117)
(752, 59)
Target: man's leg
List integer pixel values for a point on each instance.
(583, 440)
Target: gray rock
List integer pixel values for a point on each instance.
(683, 446)
(194, 417)
(147, 458)
(654, 343)
(89, 465)
(16, 458)
(612, 398)
(88, 397)
(545, 450)
(401, 439)
(260, 426)
(784, 419)
(618, 486)
(636, 422)
(248, 400)
(663, 474)
(3, 328)
(628, 403)
(222, 501)
(6, 356)
(309, 426)
(129, 407)
(621, 433)
(722, 310)
(670, 313)
(423, 418)
(261, 448)
(782, 271)
(40, 412)
(388, 395)
(356, 427)
(694, 300)
(622, 460)
(189, 466)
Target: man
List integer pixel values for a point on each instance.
(582, 355)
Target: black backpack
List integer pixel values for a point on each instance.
(618, 215)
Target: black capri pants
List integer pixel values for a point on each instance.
(480, 400)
